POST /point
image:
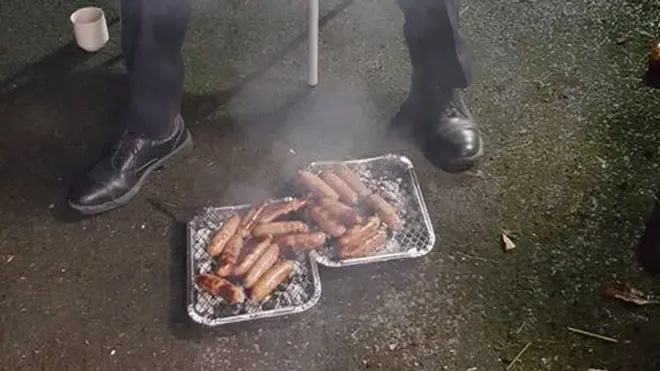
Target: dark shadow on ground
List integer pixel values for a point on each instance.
(57, 119)
(54, 117)
(51, 67)
(178, 217)
(612, 213)
(628, 133)
(648, 248)
(640, 349)
(647, 251)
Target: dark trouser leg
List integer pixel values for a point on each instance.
(152, 37)
(436, 51)
(440, 69)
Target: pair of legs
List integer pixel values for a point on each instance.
(152, 37)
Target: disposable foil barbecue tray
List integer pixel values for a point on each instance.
(393, 178)
(297, 294)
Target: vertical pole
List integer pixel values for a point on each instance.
(313, 44)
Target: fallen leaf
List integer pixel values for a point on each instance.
(625, 292)
(506, 242)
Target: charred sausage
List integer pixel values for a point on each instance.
(385, 211)
(343, 212)
(251, 218)
(303, 241)
(222, 236)
(230, 255)
(348, 176)
(345, 192)
(316, 185)
(277, 228)
(265, 261)
(275, 211)
(365, 246)
(271, 279)
(217, 286)
(326, 222)
(250, 258)
(360, 231)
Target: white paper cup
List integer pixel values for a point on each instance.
(90, 28)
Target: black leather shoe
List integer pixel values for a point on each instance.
(119, 176)
(453, 142)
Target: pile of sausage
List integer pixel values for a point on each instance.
(335, 195)
(258, 265)
(334, 208)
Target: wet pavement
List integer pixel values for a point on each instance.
(571, 167)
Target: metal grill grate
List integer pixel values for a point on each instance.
(299, 293)
(394, 179)
(391, 176)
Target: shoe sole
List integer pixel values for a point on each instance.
(459, 165)
(126, 198)
(464, 164)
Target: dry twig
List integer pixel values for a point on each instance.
(591, 334)
(522, 351)
(475, 257)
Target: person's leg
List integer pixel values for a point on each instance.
(440, 71)
(431, 31)
(152, 37)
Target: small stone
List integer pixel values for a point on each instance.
(292, 151)
(392, 346)
(112, 352)
(10, 258)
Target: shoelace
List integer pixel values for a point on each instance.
(126, 148)
(456, 106)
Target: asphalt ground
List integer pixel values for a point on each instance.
(570, 168)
